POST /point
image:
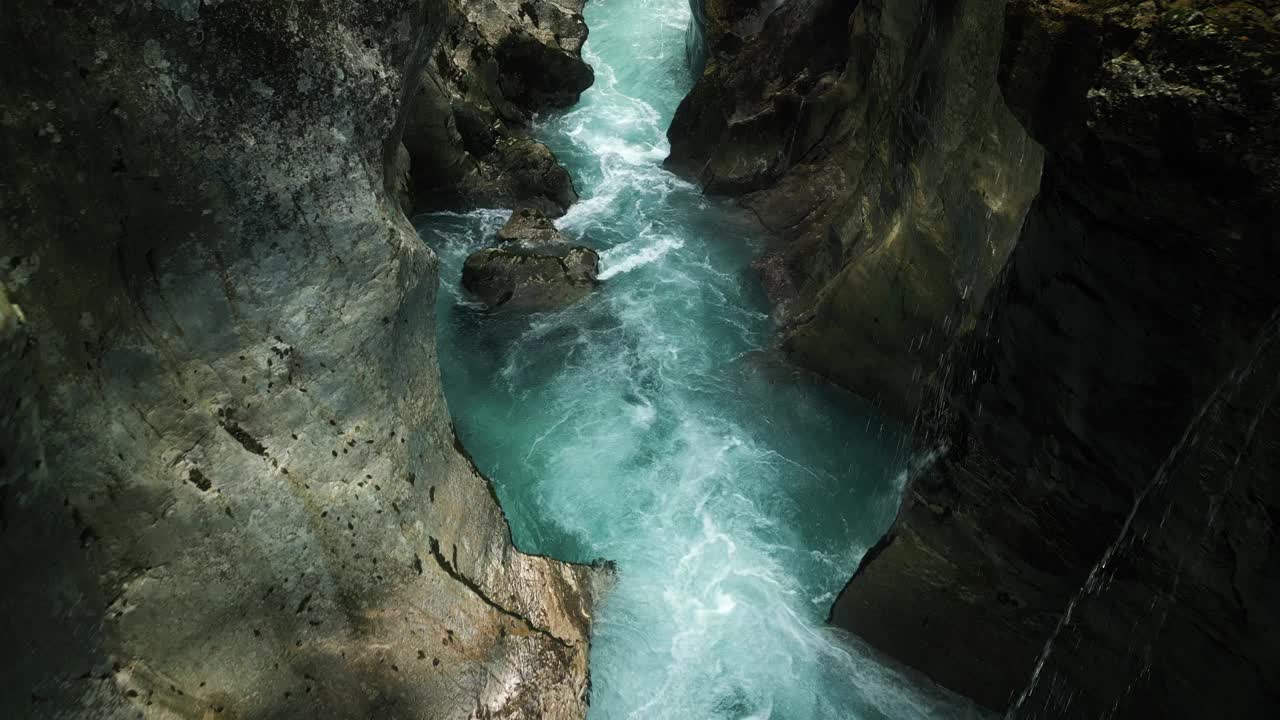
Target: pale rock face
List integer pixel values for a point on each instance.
(231, 486)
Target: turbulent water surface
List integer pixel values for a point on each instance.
(650, 425)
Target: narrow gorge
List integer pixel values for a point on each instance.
(731, 359)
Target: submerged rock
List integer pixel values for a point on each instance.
(534, 268)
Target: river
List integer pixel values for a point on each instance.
(651, 424)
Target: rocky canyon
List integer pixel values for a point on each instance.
(640, 359)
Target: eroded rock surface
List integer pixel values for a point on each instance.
(230, 485)
(1122, 433)
(534, 267)
(497, 63)
(876, 148)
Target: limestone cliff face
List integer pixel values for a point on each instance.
(497, 63)
(1122, 435)
(229, 484)
(879, 153)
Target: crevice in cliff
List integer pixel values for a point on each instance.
(226, 419)
(479, 592)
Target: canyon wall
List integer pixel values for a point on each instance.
(229, 484)
(1109, 399)
(1129, 358)
(879, 154)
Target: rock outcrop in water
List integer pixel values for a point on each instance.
(497, 62)
(229, 484)
(877, 150)
(1112, 414)
(534, 268)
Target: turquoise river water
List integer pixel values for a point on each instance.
(649, 424)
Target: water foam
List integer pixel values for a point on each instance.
(650, 425)
(623, 258)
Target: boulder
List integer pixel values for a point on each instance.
(536, 74)
(520, 171)
(534, 268)
(531, 228)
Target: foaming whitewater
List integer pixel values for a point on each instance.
(651, 425)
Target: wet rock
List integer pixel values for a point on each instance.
(530, 228)
(872, 142)
(521, 171)
(498, 62)
(534, 268)
(229, 483)
(545, 279)
(534, 73)
(722, 27)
